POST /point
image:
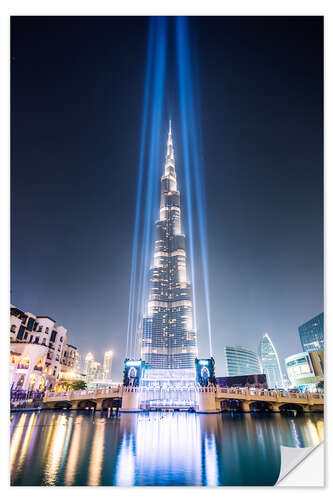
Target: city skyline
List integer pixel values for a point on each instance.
(263, 176)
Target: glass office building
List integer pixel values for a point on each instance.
(169, 340)
(311, 334)
(270, 362)
(241, 361)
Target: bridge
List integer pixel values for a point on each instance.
(209, 399)
(98, 399)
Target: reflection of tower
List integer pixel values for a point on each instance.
(107, 365)
(270, 362)
(169, 339)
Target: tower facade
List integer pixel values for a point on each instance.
(312, 334)
(107, 364)
(270, 362)
(169, 339)
(241, 361)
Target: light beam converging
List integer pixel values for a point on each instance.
(190, 116)
(150, 163)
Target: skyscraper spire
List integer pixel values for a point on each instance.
(170, 152)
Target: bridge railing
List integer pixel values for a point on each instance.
(250, 392)
(89, 393)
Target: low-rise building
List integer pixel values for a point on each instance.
(305, 369)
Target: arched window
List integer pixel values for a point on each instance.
(23, 363)
(47, 329)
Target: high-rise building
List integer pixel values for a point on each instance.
(311, 334)
(270, 362)
(107, 365)
(169, 339)
(241, 361)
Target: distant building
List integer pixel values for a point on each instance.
(311, 334)
(270, 362)
(36, 349)
(305, 369)
(107, 365)
(259, 381)
(241, 361)
(93, 370)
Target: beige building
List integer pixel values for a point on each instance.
(37, 347)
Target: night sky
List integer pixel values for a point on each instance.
(76, 106)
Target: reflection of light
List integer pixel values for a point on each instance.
(56, 448)
(27, 439)
(162, 445)
(73, 453)
(203, 362)
(16, 439)
(97, 453)
(312, 430)
(125, 464)
(297, 441)
(320, 429)
(211, 461)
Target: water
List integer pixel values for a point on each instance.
(154, 449)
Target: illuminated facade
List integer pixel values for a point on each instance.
(270, 363)
(305, 369)
(107, 365)
(241, 361)
(169, 340)
(36, 349)
(312, 334)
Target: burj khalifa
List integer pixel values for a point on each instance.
(169, 339)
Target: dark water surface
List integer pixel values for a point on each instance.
(154, 449)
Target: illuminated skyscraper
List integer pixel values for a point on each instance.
(312, 334)
(270, 362)
(107, 365)
(241, 361)
(168, 336)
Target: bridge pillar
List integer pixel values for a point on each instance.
(99, 403)
(206, 400)
(246, 407)
(276, 407)
(130, 399)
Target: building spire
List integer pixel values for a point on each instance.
(170, 152)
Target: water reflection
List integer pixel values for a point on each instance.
(72, 448)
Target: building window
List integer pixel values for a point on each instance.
(40, 328)
(36, 340)
(47, 329)
(61, 339)
(13, 328)
(25, 335)
(31, 323)
(20, 333)
(44, 341)
(53, 336)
